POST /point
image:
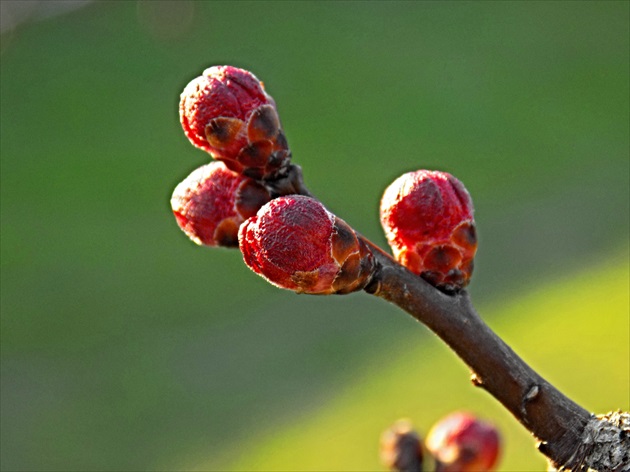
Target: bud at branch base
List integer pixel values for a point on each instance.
(461, 442)
(212, 202)
(296, 244)
(227, 113)
(428, 220)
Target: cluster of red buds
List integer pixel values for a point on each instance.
(459, 442)
(295, 243)
(292, 240)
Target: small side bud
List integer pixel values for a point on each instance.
(461, 442)
(428, 220)
(296, 244)
(401, 448)
(212, 202)
(227, 113)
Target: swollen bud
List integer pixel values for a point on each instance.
(296, 244)
(227, 113)
(212, 202)
(401, 448)
(460, 442)
(428, 220)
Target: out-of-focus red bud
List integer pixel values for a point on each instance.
(461, 442)
(401, 448)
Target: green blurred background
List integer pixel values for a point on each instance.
(127, 347)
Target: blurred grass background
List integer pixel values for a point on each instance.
(126, 347)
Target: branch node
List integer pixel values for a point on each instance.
(604, 446)
(531, 394)
(543, 448)
(476, 380)
(373, 287)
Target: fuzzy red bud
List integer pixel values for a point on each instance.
(461, 442)
(428, 220)
(212, 202)
(401, 448)
(227, 113)
(296, 244)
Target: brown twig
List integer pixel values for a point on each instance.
(553, 418)
(567, 433)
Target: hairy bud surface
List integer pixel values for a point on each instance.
(428, 220)
(212, 202)
(296, 244)
(227, 113)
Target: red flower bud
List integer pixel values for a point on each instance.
(213, 201)
(460, 442)
(296, 244)
(428, 220)
(227, 113)
(401, 448)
